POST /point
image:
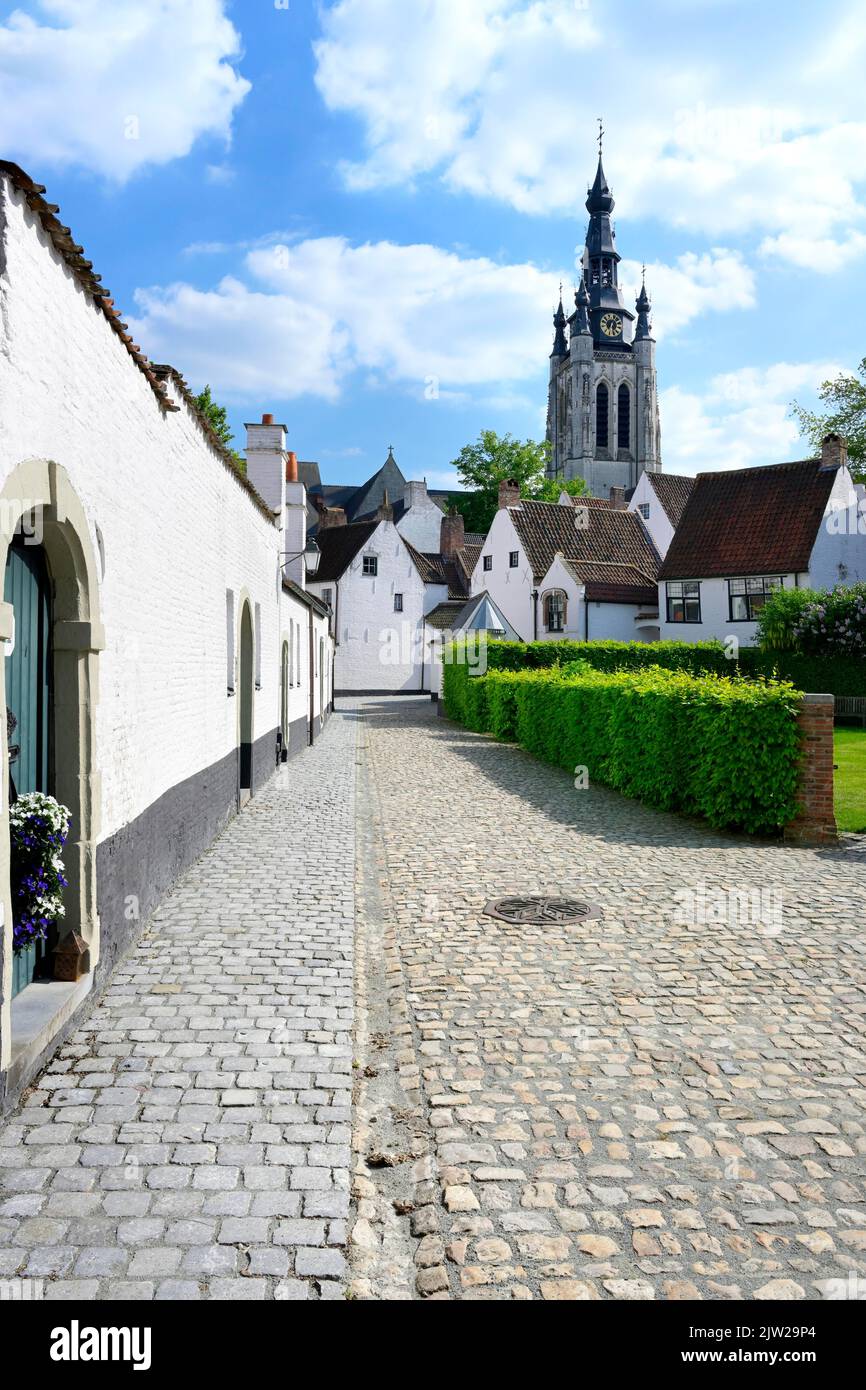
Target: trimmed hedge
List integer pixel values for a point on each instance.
(727, 750)
(837, 675)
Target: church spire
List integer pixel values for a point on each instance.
(642, 304)
(581, 317)
(560, 346)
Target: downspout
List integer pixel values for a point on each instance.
(585, 617)
(535, 615)
(312, 681)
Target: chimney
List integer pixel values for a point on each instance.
(834, 451)
(509, 493)
(451, 534)
(331, 516)
(291, 468)
(266, 461)
(385, 511)
(414, 495)
(617, 498)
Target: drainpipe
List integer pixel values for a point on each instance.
(534, 597)
(585, 617)
(312, 682)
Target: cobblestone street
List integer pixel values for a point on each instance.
(192, 1138)
(634, 1107)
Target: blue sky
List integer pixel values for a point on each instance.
(357, 214)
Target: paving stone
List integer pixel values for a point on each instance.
(638, 1105)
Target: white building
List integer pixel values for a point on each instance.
(749, 531)
(155, 653)
(659, 500)
(380, 589)
(567, 570)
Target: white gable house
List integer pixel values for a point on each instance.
(747, 532)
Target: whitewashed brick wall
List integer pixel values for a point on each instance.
(177, 528)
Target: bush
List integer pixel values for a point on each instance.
(724, 749)
(827, 622)
(835, 674)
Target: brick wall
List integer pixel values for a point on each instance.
(816, 823)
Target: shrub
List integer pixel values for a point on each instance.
(780, 617)
(724, 749)
(836, 673)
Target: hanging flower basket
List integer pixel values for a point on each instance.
(38, 828)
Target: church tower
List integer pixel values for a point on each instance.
(602, 414)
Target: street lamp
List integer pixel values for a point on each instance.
(312, 555)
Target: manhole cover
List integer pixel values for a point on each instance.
(541, 911)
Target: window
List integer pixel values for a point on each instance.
(327, 594)
(554, 610)
(623, 417)
(488, 562)
(513, 557)
(644, 509)
(602, 432)
(371, 564)
(748, 596)
(684, 602)
(398, 603)
(230, 642)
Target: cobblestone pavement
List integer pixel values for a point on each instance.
(640, 1106)
(191, 1140)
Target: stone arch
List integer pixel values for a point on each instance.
(38, 495)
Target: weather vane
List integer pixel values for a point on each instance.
(600, 134)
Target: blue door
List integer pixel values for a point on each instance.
(27, 699)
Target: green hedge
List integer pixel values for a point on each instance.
(727, 750)
(835, 675)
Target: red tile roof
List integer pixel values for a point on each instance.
(610, 535)
(673, 491)
(614, 583)
(750, 521)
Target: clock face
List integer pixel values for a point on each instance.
(611, 325)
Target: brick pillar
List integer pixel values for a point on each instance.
(816, 823)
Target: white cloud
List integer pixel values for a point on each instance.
(741, 420)
(302, 318)
(310, 315)
(718, 280)
(496, 98)
(115, 86)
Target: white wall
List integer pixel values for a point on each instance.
(175, 525)
(378, 649)
(715, 615)
(421, 523)
(658, 523)
(510, 589)
(839, 553)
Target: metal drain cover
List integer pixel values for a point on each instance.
(541, 911)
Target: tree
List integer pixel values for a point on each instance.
(552, 489)
(217, 417)
(845, 397)
(491, 460)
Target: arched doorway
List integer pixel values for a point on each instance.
(50, 618)
(284, 700)
(245, 770)
(28, 705)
